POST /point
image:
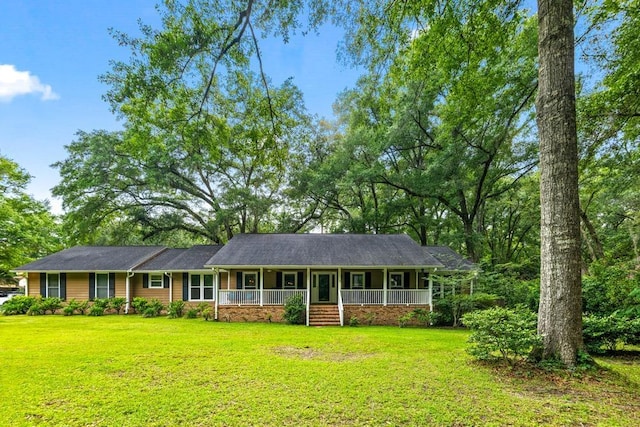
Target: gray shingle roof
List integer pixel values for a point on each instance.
(360, 250)
(193, 258)
(451, 260)
(94, 258)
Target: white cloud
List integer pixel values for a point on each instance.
(15, 83)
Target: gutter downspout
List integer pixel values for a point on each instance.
(216, 286)
(128, 291)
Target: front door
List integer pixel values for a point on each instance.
(324, 287)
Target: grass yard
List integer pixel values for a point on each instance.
(127, 370)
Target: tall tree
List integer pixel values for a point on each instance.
(560, 311)
(27, 229)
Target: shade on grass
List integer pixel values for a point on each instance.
(127, 370)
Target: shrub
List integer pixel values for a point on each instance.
(453, 307)
(175, 309)
(608, 332)
(82, 307)
(101, 303)
(205, 310)
(71, 308)
(354, 321)
(425, 317)
(51, 304)
(294, 310)
(153, 308)
(405, 319)
(17, 305)
(96, 310)
(139, 304)
(509, 333)
(36, 308)
(117, 303)
(192, 313)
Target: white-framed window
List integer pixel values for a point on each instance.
(357, 280)
(156, 281)
(53, 285)
(396, 280)
(201, 287)
(102, 285)
(250, 280)
(290, 280)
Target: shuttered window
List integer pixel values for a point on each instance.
(53, 285)
(357, 280)
(396, 280)
(102, 285)
(201, 287)
(155, 281)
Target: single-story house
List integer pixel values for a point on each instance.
(250, 278)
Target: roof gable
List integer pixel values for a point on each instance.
(94, 258)
(450, 259)
(354, 250)
(193, 258)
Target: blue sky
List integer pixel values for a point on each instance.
(52, 52)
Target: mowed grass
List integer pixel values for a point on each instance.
(127, 370)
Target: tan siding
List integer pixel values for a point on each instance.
(78, 286)
(138, 291)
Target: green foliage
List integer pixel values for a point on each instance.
(294, 310)
(28, 230)
(404, 320)
(96, 310)
(153, 308)
(175, 309)
(369, 318)
(353, 321)
(101, 303)
(609, 332)
(611, 288)
(117, 303)
(451, 308)
(205, 310)
(192, 313)
(19, 304)
(504, 333)
(50, 304)
(425, 317)
(139, 304)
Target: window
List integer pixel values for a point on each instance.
(396, 280)
(250, 280)
(102, 285)
(155, 281)
(201, 287)
(357, 280)
(53, 285)
(290, 280)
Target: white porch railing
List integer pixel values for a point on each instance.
(376, 297)
(252, 296)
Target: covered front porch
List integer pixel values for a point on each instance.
(341, 287)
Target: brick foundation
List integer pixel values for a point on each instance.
(248, 313)
(379, 315)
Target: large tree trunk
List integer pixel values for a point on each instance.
(560, 313)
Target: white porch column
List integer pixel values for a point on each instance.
(216, 287)
(339, 282)
(261, 286)
(417, 279)
(127, 292)
(430, 292)
(384, 286)
(308, 292)
(229, 279)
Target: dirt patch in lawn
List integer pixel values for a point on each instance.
(310, 353)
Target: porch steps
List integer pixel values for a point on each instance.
(324, 315)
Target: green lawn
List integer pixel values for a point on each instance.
(127, 370)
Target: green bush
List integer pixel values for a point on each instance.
(354, 321)
(139, 304)
(117, 304)
(82, 307)
(101, 303)
(96, 310)
(36, 308)
(504, 333)
(602, 333)
(19, 304)
(153, 308)
(192, 313)
(175, 309)
(51, 304)
(405, 319)
(205, 310)
(453, 307)
(424, 316)
(294, 310)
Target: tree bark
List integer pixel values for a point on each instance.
(560, 312)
